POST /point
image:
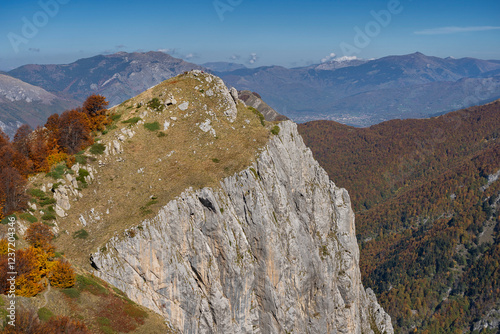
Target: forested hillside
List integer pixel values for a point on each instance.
(426, 195)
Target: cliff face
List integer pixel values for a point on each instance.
(272, 250)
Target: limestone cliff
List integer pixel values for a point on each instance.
(271, 250)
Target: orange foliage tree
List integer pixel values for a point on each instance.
(12, 184)
(39, 150)
(95, 109)
(63, 275)
(22, 139)
(39, 235)
(74, 131)
(31, 267)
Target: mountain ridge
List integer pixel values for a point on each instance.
(249, 216)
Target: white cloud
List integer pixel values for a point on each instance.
(454, 30)
(235, 57)
(328, 58)
(331, 57)
(253, 58)
(346, 58)
(169, 51)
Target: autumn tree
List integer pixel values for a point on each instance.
(31, 266)
(4, 139)
(74, 131)
(39, 235)
(53, 133)
(9, 157)
(39, 150)
(22, 140)
(63, 275)
(12, 185)
(14, 168)
(95, 109)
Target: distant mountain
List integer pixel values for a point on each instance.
(223, 66)
(118, 76)
(352, 91)
(427, 196)
(22, 103)
(368, 92)
(338, 63)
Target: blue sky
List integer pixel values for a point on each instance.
(253, 32)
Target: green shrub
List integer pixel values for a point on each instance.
(28, 217)
(81, 159)
(45, 314)
(37, 193)
(115, 117)
(97, 149)
(156, 104)
(47, 201)
(71, 292)
(132, 120)
(82, 173)
(259, 114)
(80, 234)
(103, 321)
(6, 220)
(161, 134)
(145, 210)
(58, 171)
(49, 216)
(216, 160)
(275, 130)
(155, 126)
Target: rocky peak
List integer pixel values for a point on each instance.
(203, 214)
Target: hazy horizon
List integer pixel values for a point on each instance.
(253, 33)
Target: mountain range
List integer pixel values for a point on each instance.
(351, 91)
(118, 77)
(364, 93)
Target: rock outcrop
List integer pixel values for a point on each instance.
(272, 250)
(254, 100)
